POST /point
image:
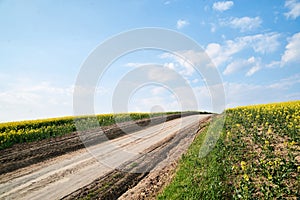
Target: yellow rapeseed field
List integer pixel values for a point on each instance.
(265, 150)
(256, 157)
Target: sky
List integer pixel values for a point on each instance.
(254, 45)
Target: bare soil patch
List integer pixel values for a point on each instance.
(158, 163)
(22, 155)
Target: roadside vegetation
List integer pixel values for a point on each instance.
(256, 157)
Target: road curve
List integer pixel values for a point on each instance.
(58, 177)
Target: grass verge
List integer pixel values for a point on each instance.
(199, 178)
(256, 157)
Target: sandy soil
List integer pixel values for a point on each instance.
(150, 186)
(22, 155)
(103, 171)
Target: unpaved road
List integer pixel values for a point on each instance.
(62, 175)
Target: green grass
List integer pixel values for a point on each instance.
(256, 157)
(199, 178)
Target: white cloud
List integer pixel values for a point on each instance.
(158, 90)
(294, 96)
(3, 76)
(239, 94)
(273, 64)
(30, 100)
(161, 74)
(188, 68)
(253, 70)
(46, 87)
(294, 9)
(286, 83)
(292, 50)
(133, 64)
(195, 80)
(146, 104)
(170, 65)
(150, 97)
(181, 23)
(243, 23)
(186, 97)
(210, 98)
(264, 43)
(259, 43)
(221, 54)
(234, 66)
(240, 64)
(291, 53)
(187, 60)
(227, 55)
(214, 51)
(222, 5)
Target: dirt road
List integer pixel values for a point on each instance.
(62, 175)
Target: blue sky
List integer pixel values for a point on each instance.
(255, 45)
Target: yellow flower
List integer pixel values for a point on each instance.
(270, 163)
(267, 142)
(292, 143)
(270, 177)
(228, 134)
(243, 165)
(246, 177)
(277, 161)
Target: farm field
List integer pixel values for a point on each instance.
(27, 153)
(33, 130)
(256, 157)
(144, 100)
(80, 174)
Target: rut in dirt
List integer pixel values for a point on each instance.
(117, 182)
(22, 155)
